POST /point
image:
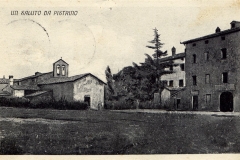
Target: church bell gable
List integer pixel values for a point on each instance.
(60, 68)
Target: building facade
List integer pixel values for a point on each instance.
(58, 85)
(213, 70)
(177, 78)
(84, 87)
(175, 82)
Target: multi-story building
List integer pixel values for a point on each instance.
(177, 78)
(212, 69)
(175, 82)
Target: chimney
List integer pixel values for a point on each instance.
(235, 24)
(10, 80)
(173, 51)
(218, 30)
(37, 73)
(3, 76)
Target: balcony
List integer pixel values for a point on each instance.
(225, 87)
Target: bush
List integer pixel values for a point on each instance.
(14, 101)
(119, 105)
(61, 104)
(108, 104)
(147, 105)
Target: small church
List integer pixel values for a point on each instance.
(58, 85)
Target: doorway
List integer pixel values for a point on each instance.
(178, 103)
(87, 100)
(195, 103)
(226, 102)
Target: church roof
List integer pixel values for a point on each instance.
(25, 87)
(36, 93)
(67, 79)
(60, 60)
(33, 76)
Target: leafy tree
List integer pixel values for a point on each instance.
(109, 78)
(141, 81)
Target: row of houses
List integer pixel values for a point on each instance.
(56, 85)
(208, 74)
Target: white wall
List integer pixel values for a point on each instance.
(18, 93)
(177, 75)
(89, 86)
(165, 97)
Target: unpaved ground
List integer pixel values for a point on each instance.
(45, 131)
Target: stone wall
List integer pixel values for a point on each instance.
(35, 80)
(214, 66)
(60, 90)
(92, 87)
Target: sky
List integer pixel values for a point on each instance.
(103, 33)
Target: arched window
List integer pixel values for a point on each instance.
(194, 58)
(58, 69)
(63, 70)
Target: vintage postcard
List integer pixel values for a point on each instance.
(105, 77)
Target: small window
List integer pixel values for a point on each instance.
(194, 80)
(233, 25)
(208, 98)
(181, 83)
(182, 67)
(206, 42)
(223, 38)
(63, 70)
(171, 68)
(171, 83)
(194, 44)
(207, 78)
(206, 55)
(194, 58)
(225, 77)
(224, 53)
(58, 70)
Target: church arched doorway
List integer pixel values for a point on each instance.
(226, 102)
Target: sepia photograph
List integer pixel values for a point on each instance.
(108, 77)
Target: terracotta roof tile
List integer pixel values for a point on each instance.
(33, 76)
(25, 87)
(66, 79)
(4, 93)
(212, 35)
(36, 93)
(4, 81)
(176, 56)
(62, 79)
